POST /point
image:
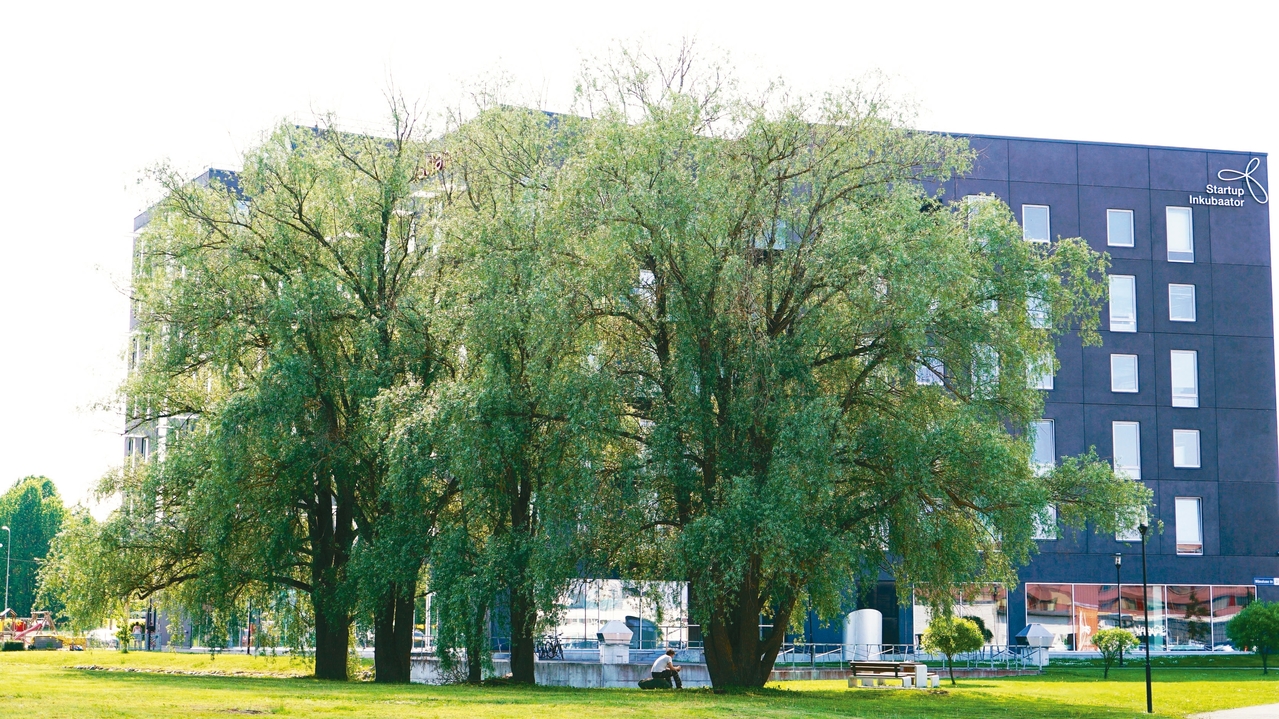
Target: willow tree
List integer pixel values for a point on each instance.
(292, 307)
(828, 366)
(528, 418)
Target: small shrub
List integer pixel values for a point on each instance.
(1256, 628)
(11, 646)
(951, 636)
(1111, 643)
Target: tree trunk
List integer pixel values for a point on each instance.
(950, 663)
(523, 619)
(393, 636)
(736, 654)
(475, 646)
(332, 640)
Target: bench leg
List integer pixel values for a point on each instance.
(906, 682)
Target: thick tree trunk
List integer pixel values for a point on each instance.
(736, 654)
(523, 619)
(332, 637)
(393, 636)
(475, 649)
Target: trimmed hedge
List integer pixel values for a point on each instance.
(13, 647)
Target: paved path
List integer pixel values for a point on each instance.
(1265, 711)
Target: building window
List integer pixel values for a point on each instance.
(1128, 534)
(1041, 373)
(930, 371)
(1123, 373)
(1045, 451)
(1185, 378)
(1119, 228)
(1185, 448)
(136, 448)
(1123, 303)
(1181, 303)
(985, 371)
(1181, 234)
(1127, 448)
(1046, 524)
(1034, 223)
(1189, 526)
(1037, 311)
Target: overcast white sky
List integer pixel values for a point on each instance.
(91, 95)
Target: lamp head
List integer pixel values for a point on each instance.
(1142, 528)
(1119, 559)
(5, 528)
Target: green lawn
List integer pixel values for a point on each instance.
(46, 686)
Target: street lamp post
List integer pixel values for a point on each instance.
(1145, 605)
(8, 552)
(1119, 603)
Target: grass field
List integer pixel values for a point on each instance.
(45, 685)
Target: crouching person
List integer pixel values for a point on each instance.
(664, 668)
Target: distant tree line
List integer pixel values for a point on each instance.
(685, 331)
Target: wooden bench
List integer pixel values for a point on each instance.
(868, 673)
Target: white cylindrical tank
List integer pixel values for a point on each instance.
(863, 634)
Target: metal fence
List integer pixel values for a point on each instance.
(838, 655)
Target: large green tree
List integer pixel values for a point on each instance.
(292, 308)
(828, 365)
(34, 513)
(531, 430)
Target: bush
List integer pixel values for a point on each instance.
(1112, 643)
(10, 646)
(951, 636)
(1256, 628)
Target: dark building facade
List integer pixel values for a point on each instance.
(1181, 393)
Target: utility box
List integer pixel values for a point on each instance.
(615, 643)
(1039, 639)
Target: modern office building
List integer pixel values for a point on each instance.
(1181, 393)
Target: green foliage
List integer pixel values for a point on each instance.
(1112, 643)
(772, 278)
(950, 636)
(677, 335)
(33, 511)
(282, 305)
(1256, 627)
(986, 634)
(529, 425)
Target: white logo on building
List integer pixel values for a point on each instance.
(1254, 186)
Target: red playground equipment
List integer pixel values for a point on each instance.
(25, 629)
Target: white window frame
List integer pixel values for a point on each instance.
(1187, 438)
(930, 371)
(1131, 470)
(1123, 321)
(1184, 399)
(1189, 516)
(1194, 311)
(1046, 525)
(1039, 426)
(1179, 255)
(1037, 312)
(1132, 237)
(1041, 373)
(1136, 373)
(987, 355)
(1048, 215)
(1133, 533)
